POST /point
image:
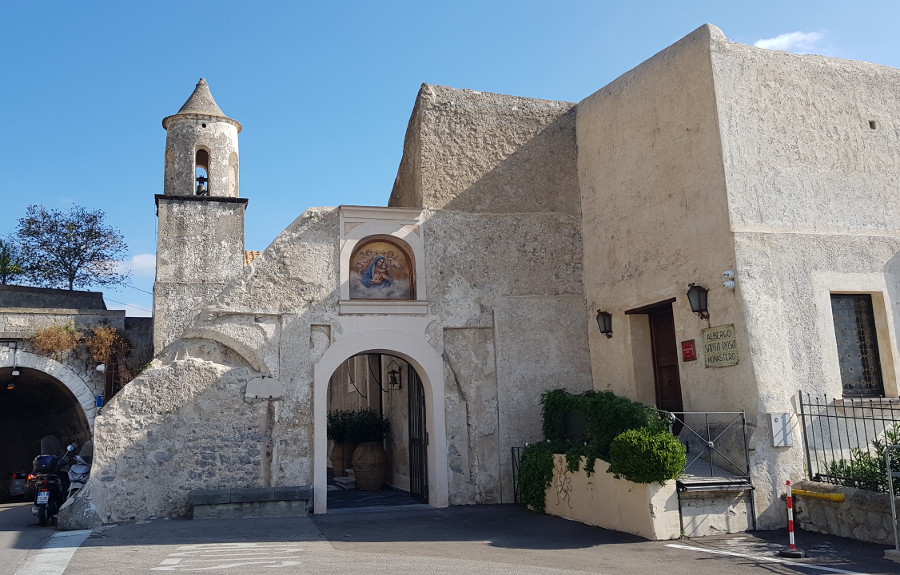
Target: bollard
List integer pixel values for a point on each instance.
(792, 550)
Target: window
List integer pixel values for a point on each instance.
(857, 345)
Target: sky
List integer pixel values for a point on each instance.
(323, 90)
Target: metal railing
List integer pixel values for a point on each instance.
(845, 439)
(716, 443)
(516, 458)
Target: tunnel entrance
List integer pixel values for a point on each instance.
(34, 404)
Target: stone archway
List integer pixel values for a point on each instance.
(65, 375)
(427, 363)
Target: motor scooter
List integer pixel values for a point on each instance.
(51, 481)
(80, 469)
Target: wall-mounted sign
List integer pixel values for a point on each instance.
(688, 350)
(720, 346)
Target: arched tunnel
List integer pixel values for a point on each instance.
(34, 404)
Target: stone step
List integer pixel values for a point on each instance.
(345, 482)
(250, 502)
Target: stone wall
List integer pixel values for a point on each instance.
(32, 297)
(193, 420)
(200, 247)
(497, 177)
(472, 151)
(863, 515)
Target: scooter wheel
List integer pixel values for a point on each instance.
(43, 517)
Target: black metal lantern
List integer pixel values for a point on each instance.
(604, 320)
(394, 381)
(697, 298)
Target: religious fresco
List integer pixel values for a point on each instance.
(380, 269)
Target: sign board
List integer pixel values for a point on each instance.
(688, 350)
(720, 346)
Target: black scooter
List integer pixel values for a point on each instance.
(51, 481)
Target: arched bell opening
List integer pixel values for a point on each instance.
(201, 172)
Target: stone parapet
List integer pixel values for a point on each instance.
(289, 501)
(862, 515)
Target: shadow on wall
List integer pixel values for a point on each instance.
(540, 175)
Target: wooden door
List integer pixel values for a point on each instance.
(665, 359)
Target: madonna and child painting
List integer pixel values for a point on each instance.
(380, 270)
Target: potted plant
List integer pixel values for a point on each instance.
(369, 460)
(338, 430)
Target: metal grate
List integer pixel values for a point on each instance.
(842, 438)
(854, 329)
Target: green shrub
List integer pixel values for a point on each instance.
(867, 469)
(356, 426)
(646, 456)
(593, 419)
(535, 474)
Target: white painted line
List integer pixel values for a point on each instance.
(221, 556)
(770, 559)
(56, 554)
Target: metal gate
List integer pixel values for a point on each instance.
(418, 439)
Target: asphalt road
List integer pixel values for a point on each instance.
(501, 539)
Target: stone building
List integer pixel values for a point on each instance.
(55, 395)
(511, 223)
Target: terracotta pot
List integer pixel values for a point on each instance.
(369, 466)
(341, 457)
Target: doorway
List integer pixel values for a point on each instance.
(665, 359)
(391, 387)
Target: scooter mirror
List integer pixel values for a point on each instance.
(70, 447)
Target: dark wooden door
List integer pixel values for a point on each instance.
(418, 439)
(665, 359)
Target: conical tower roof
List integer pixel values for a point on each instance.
(201, 103)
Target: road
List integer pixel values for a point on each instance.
(500, 539)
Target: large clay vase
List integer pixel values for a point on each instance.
(369, 466)
(341, 457)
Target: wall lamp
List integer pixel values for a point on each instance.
(697, 298)
(394, 381)
(604, 320)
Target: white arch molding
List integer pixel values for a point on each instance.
(65, 375)
(427, 363)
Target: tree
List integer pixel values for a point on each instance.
(10, 261)
(70, 249)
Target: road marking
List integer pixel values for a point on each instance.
(770, 559)
(56, 554)
(209, 556)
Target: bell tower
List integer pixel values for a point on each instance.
(200, 216)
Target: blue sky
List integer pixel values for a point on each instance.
(324, 90)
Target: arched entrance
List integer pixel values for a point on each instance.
(39, 397)
(373, 388)
(428, 367)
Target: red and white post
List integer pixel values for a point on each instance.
(790, 505)
(792, 550)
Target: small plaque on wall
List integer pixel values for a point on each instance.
(688, 350)
(720, 346)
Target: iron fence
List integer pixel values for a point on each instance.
(845, 439)
(716, 444)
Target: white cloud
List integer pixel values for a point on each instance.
(800, 42)
(143, 265)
